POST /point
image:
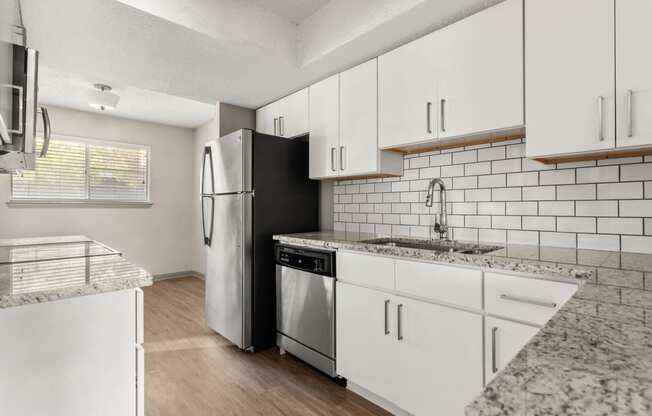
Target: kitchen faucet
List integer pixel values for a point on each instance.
(441, 223)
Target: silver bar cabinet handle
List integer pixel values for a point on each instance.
(387, 317)
(333, 167)
(281, 126)
(443, 114)
(494, 360)
(600, 118)
(47, 131)
(529, 301)
(275, 128)
(630, 116)
(428, 117)
(399, 328)
(342, 158)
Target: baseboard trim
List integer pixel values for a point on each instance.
(375, 399)
(176, 275)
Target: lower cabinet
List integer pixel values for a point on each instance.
(424, 358)
(504, 339)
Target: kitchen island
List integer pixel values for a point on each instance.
(71, 319)
(592, 357)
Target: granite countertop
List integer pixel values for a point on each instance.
(594, 357)
(36, 270)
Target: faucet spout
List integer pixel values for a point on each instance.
(441, 226)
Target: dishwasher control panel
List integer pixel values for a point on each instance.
(316, 261)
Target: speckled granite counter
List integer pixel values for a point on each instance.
(594, 357)
(36, 270)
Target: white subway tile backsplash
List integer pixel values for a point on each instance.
(497, 195)
(522, 237)
(557, 208)
(506, 194)
(523, 179)
(557, 177)
(441, 160)
(598, 242)
(492, 181)
(576, 192)
(624, 190)
(641, 172)
(506, 222)
(492, 153)
(506, 166)
(576, 224)
(636, 208)
(599, 174)
(620, 226)
(468, 156)
(539, 223)
(539, 193)
(568, 240)
(491, 208)
(522, 208)
(637, 244)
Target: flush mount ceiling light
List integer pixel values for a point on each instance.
(101, 98)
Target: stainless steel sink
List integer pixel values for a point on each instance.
(435, 245)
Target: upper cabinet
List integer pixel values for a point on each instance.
(633, 73)
(569, 62)
(287, 117)
(344, 127)
(589, 91)
(407, 93)
(463, 81)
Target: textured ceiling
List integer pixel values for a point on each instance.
(243, 52)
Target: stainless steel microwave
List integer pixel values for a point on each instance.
(19, 108)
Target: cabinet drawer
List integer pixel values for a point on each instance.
(455, 285)
(525, 299)
(373, 271)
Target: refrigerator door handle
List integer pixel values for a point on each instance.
(208, 237)
(208, 157)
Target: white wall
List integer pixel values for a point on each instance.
(159, 238)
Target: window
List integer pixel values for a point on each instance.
(78, 170)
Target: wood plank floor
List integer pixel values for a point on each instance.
(191, 371)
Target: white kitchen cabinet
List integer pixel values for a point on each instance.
(480, 61)
(633, 72)
(407, 93)
(569, 66)
(74, 357)
(367, 350)
(287, 117)
(324, 128)
(503, 340)
(344, 127)
(440, 358)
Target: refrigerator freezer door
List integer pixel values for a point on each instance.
(229, 270)
(232, 157)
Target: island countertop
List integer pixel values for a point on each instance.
(594, 357)
(36, 270)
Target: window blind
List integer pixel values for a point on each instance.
(86, 171)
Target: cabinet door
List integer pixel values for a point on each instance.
(407, 93)
(440, 358)
(266, 119)
(503, 340)
(359, 119)
(293, 114)
(481, 75)
(367, 351)
(569, 62)
(634, 72)
(324, 128)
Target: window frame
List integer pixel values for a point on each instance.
(62, 202)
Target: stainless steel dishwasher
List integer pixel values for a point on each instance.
(305, 305)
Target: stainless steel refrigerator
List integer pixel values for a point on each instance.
(253, 186)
